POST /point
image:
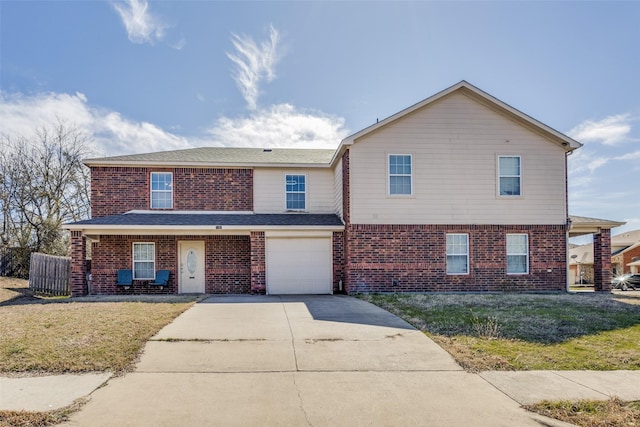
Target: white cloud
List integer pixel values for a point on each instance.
(584, 161)
(112, 134)
(180, 44)
(635, 155)
(589, 161)
(277, 127)
(611, 130)
(280, 126)
(254, 64)
(142, 26)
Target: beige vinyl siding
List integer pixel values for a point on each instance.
(455, 144)
(269, 190)
(337, 188)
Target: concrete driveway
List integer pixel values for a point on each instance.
(297, 361)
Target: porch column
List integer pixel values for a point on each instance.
(602, 260)
(258, 277)
(79, 285)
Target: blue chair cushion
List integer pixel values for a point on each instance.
(162, 278)
(125, 278)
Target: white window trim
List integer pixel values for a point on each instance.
(305, 192)
(133, 260)
(467, 254)
(498, 176)
(389, 175)
(151, 190)
(525, 254)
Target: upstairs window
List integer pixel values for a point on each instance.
(296, 192)
(517, 254)
(144, 261)
(457, 254)
(161, 190)
(510, 176)
(400, 174)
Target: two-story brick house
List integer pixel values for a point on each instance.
(459, 192)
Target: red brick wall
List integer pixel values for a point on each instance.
(228, 269)
(258, 263)
(338, 261)
(213, 189)
(116, 190)
(227, 263)
(602, 261)
(79, 285)
(412, 258)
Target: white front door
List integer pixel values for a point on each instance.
(191, 267)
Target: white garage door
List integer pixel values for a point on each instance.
(298, 265)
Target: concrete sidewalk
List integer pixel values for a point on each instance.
(48, 392)
(528, 387)
(314, 361)
(525, 387)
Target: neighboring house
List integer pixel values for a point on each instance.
(459, 192)
(625, 252)
(625, 257)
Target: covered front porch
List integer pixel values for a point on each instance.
(601, 231)
(205, 252)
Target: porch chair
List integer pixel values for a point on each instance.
(162, 278)
(125, 278)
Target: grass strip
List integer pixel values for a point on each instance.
(591, 413)
(525, 331)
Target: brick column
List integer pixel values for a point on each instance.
(602, 261)
(258, 277)
(79, 285)
(338, 262)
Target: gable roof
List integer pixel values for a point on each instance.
(569, 144)
(299, 157)
(222, 157)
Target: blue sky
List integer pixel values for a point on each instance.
(141, 76)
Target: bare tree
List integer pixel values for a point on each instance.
(43, 184)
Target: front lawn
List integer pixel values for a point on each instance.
(57, 337)
(525, 331)
(11, 288)
(54, 335)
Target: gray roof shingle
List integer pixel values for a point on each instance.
(211, 220)
(204, 156)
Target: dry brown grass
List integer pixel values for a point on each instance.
(39, 419)
(78, 336)
(509, 331)
(55, 335)
(11, 288)
(591, 413)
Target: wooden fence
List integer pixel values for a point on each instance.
(50, 274)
